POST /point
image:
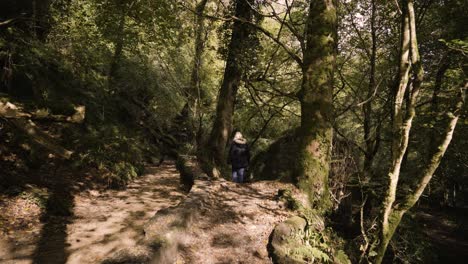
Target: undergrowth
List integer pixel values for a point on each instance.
(316, 243)
(114, 138)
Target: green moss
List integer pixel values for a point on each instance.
(290, 201)
(308, 254)
(312, 245)
(278, 162)
(157, 242)
(314, 180)
(38, 196)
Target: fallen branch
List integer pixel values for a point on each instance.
(23, 121)
(12, 111)
(41, 138)
(6, 22)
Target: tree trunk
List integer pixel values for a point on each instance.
(119, 45)
(315, 133)
(410, 58)
(193, 93)
(370, 137)
(400, 139)
(222, 126)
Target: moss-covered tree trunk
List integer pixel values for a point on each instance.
(315, 132)
(222, 125)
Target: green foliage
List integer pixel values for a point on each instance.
(314, 246)
(38, 196)
(457, 45)
(291, 202)
(309, 254)
(116, 153)
(70, 65)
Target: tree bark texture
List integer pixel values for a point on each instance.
(400, 140)
(315, 133)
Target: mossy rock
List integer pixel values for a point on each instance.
(290, 201)
(301, 240)
(315, 221)
(278, 161)
(189, 172)
(187, 177)
(284, 239)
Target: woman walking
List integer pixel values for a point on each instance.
(239, 157)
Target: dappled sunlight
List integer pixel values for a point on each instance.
(235, 221)
(117, 221)
(101, 222)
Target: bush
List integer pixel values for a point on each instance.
(117, 154)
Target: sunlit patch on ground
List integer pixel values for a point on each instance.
(101, 222)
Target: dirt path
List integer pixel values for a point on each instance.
(447, 231)
(229, 222)
(218, 222)
(237, 223)
(100, 223)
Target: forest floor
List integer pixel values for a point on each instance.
(236, 228)
(232, 223)
(101, 221)
(447, 231)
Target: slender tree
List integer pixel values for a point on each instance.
(235, 66)
(194, 93)
(410, 62)
(370, 133)
(119, 46)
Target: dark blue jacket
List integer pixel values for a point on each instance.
(239, 155)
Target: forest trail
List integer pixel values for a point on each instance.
(447, 231)
(232, 222)
(102, 222)
(218, 222)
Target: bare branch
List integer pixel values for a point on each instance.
(265, 32)
(428, 171)
(6, 22)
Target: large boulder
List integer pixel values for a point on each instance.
(278, 161)
(299, 240)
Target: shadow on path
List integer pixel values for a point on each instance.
(82, 224)
(52, 244)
